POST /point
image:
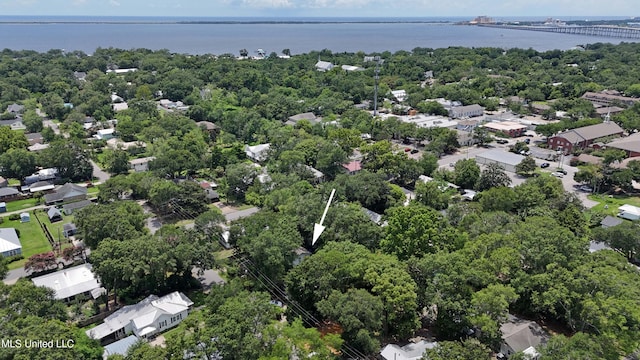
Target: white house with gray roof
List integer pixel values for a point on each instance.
(324, 66)
(150, 316)
(257, 153)
(141, 164)
(9, 242)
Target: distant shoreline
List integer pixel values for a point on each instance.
(223, 22)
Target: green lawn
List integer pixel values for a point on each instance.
(21, 204)
(56, 228)
(609, 203)
(93, 191)
(14, 182)
(31, 237)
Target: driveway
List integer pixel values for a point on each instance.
(208, 278)
(152, 222)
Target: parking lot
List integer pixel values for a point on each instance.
(567, 180)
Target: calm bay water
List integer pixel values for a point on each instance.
(218, 36)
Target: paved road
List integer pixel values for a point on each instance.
(52, 125)
(25, 210)
(98, 173)
(241, 214)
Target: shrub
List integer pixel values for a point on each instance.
(1, 220)
(14, 217)
(14, 258)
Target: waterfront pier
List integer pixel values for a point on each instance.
(613, 31)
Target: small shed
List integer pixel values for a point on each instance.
(69, 229)
(25, 217)
(54, 214)
(3, 207)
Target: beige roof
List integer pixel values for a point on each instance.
(142, 160)
(591, 132)
(504, 126)
(609, 110)
(589, 159)
(629, 143)
(208, 125)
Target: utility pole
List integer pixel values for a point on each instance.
(376, 77)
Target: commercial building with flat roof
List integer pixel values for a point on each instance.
(510, 128)
(505, 159)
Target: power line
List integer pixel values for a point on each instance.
(275, 290)
(307, 317)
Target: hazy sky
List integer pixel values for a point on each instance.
(313, 8)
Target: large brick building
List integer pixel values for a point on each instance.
(581, 138)
(630, 144)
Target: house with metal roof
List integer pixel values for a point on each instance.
(9, 242)
(580, 138)
(146, 318)
(38, 147)
(71, 282)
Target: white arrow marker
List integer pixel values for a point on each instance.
(319, 228)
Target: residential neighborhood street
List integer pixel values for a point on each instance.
(98, 173)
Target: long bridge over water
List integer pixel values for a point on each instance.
(595, 30)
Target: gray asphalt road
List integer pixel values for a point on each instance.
(241, 214)
(98, 173)
(52, 125)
